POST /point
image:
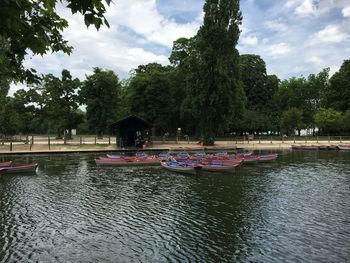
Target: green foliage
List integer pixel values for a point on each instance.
(337, 95)
(155, 94)
(9, 119)
(291, 120)
(57, 100)
(345, 122)
(100, 94)
(258, 86)
(254, 121)
(214, 91)
(36, 26)
(328, 120)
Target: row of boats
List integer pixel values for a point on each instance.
(186, 163)
(10, 168)
(341, 147)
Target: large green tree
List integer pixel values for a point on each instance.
(100, 94)
(215, 93)
(255, 81)
(57, 99)
(338, 93)
(328, 120)
(35, 27)
(156, 93)
(291, 120)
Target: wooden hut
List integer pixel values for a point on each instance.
(131, 131)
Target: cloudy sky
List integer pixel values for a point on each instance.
(294, 37)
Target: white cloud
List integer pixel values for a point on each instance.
(316, 60)
(306, 8)
(278, 49)
(331, 33)
(143, 18)
(249, 40)
(276, 25)
(346, 11)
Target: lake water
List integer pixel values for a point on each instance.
(294, 210)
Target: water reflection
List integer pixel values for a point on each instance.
(293, 210)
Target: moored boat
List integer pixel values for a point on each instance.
(267, 157)
(309, 147)
(344, 147)
(127, 161)
(5, 164)
(219, 168)
(181, 167)
(19, 168)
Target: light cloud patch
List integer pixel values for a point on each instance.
(346, 11)
(331, 33)
(278, 49)
(276, 25)
(249, 40)
(306, 8)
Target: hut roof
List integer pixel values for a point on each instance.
(131, 121)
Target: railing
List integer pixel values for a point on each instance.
(41, 142)
(48, 143)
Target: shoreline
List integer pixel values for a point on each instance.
(160, 147)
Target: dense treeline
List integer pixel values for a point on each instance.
(208, 90)
(159, 94)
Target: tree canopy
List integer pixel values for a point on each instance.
(100, 94)
(35, 27)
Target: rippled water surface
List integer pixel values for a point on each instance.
(294, 210)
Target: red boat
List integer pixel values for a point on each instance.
(19, 168)
(5, 164)
(128, 161)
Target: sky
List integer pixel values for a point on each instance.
(294, 37)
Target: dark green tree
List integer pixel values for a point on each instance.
(214, 94)
(338, 93)
(328, 120)
(291, 120)
(9, 119)
(100, 94)
(156, 95)
(254, 78)
(57, 99)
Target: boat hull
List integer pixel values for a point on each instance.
(5, 164)
(24, 168)
(185, 169)
(344, 147)
(126, 162)
(268, 158)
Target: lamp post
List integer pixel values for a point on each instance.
(178, 134)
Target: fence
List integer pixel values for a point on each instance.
(51, 142)
(41, 142)
(257, 139)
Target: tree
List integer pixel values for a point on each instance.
(258, 86)
(9, 119)
(100, 94)
(35, 27)
(328, 120)
(291, 120)
(155, 93)
(338, 93)
(5, 69)
(214, 93)
(57, 100)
